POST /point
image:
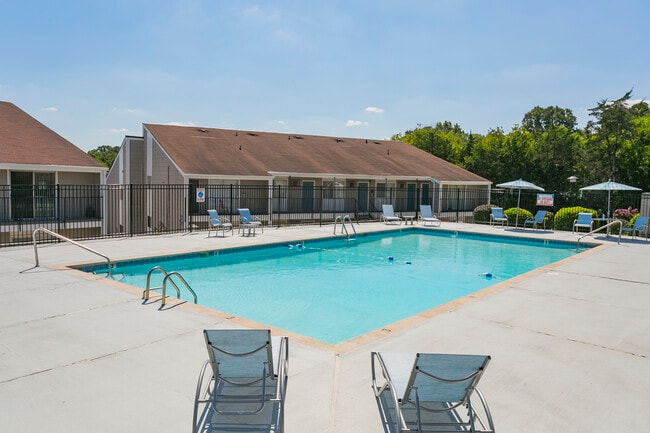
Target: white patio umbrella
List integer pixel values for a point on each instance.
(519, 184)
(610, 186)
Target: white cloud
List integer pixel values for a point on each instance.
(181, 123)
(128, 110)
(256, 12)
(51, 109)
(281, 122)
(355, 123)
(120, 131)
(375, 110)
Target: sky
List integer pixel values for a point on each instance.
(95, 71)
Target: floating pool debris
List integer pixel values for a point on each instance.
(408, 262)
(487, 275)
(390, 258)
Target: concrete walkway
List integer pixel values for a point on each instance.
(569, 343)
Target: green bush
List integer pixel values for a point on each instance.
(511, 213)
(565, 217)
(482, 213)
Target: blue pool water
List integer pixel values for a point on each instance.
(333, 290)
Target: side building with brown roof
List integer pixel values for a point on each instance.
(44, 178)
(281, 176)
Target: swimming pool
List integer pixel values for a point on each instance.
(333, 289)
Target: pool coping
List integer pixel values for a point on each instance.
(351, 343)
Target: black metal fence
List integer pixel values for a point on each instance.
(101, 211)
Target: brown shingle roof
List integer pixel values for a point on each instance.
(25, 140)
(209, 151)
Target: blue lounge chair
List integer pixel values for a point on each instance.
(640, 226)
(218, 223)
(427, 216)
(497, 216)
(539, 218)
(585, 220)
(388, 215)
(248, 222)
(245, 372)
(430, 392)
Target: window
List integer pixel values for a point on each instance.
(32, 194)
(332, 190)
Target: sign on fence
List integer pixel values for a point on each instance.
(200, 195)
(545, 199)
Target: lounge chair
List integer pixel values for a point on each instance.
(640, 226)
(584, 220)
(246, 371)
(430, 392)
(218, 223)
(497, 216)
(388, 215)
(539, 218)
(427, 216)
(248, 222)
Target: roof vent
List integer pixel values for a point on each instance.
(297, 137)
(203, 130)
(254, 134)
(338, 140)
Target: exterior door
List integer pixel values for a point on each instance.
(307, 196)
(362, 196)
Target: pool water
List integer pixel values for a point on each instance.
(333, 290)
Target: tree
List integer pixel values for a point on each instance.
(105, 154)
(540, 120)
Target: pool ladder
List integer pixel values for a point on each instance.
(166, 279)
(344, 227)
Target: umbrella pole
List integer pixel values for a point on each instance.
(517, 216)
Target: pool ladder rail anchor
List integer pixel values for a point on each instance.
(344, 227)
(167, 278)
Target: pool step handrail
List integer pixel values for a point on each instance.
(343, 225)
(63, 238)
(606, 226)
(167, 278)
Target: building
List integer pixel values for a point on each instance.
(289, 176)
(45, 180)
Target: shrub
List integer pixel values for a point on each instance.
(564, 217)
(482, 213)
(511, 213)
(626, 214)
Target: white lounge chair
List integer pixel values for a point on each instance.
(388, 215)
(248, 222)
(430, 392)
(245, 372)
(497, 216)
(539, 218)
(640, 226)
(218, 223)
(427, 217)
(584, 220)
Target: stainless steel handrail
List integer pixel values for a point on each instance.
(606, 226)
(344, 228)
(178, 295)
(63, 238)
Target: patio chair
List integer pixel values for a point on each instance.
(245, 373)
(388, 215)
(640, 226)
(218, 223)
(427, 216)
(584, 220)
(248, 222)
(430, 392)
(539, 218)
(497, 216)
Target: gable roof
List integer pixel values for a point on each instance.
(25, 140)
(210, 151)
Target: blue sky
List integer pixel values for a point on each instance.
(94, 71)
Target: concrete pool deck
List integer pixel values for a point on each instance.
(570, 343)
